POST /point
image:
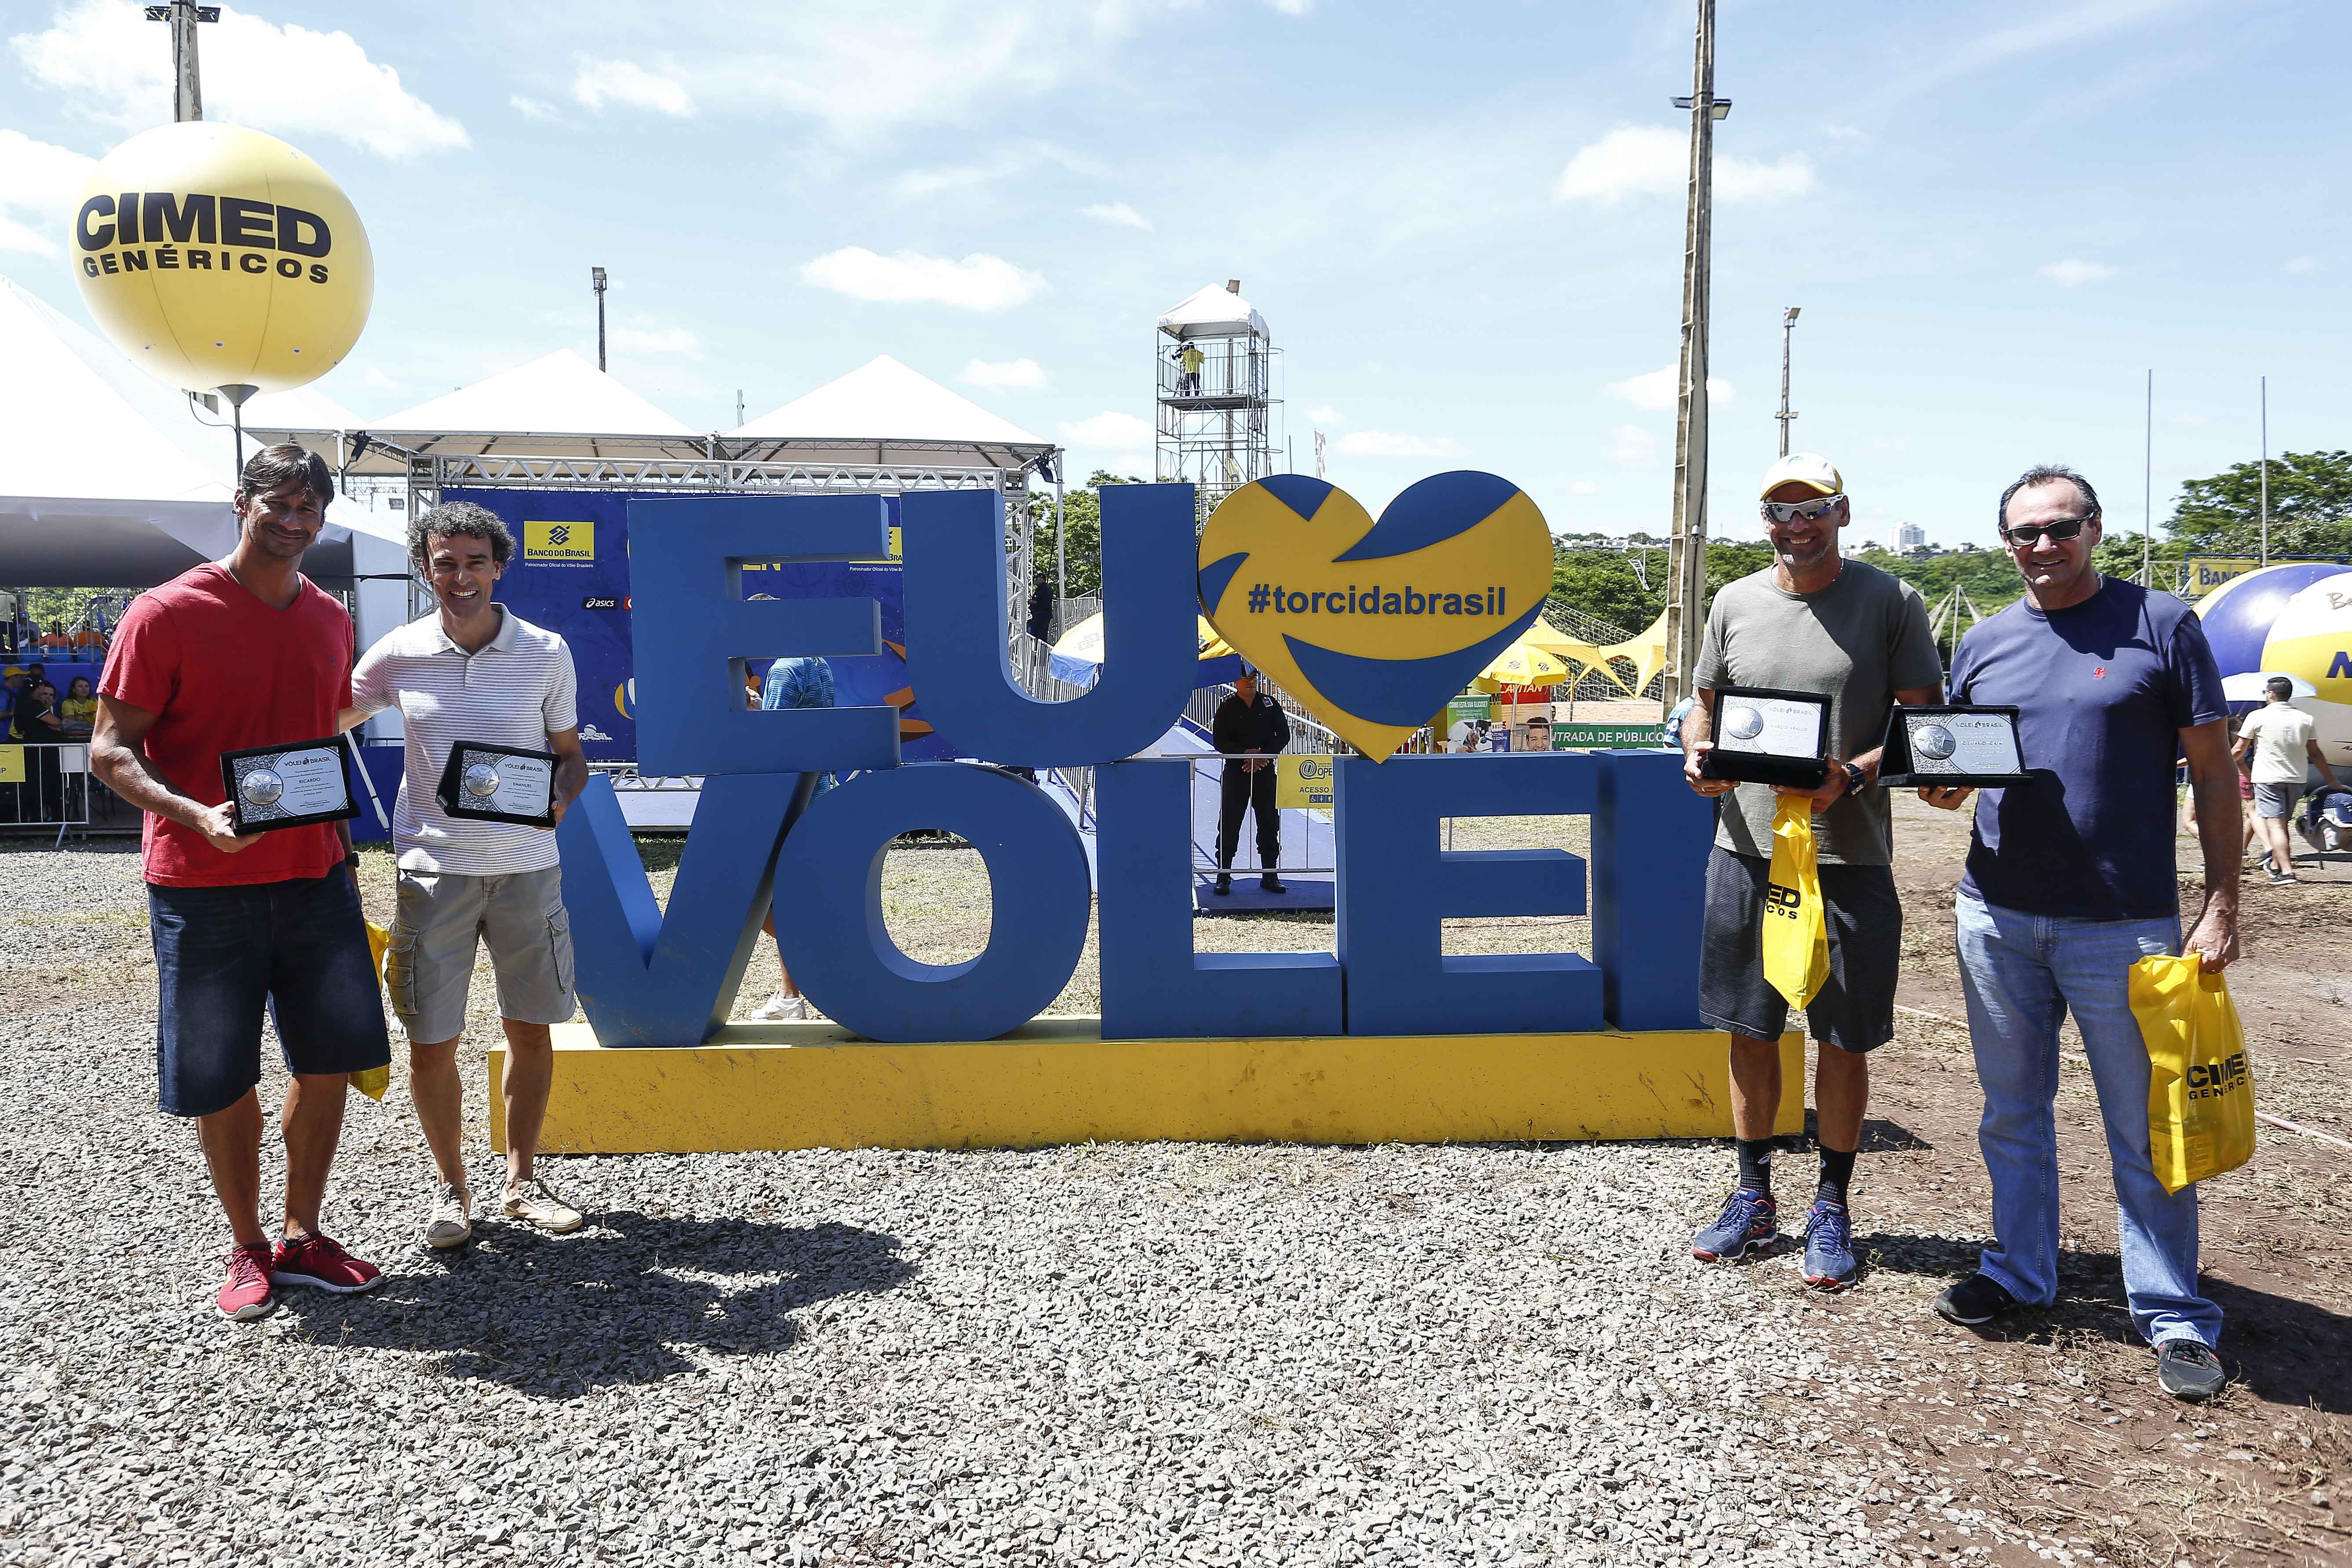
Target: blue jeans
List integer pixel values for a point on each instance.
(2023, 974)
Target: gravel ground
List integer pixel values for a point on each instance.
(1159, 1353)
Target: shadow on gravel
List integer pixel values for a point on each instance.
(2282, 1349)
(614, 1304)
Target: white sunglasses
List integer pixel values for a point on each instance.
(1789, 510)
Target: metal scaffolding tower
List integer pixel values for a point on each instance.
(1214, 374)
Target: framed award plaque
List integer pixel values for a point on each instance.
(1952, 744)
(270, 787)
(1765, 736)
(482, 783)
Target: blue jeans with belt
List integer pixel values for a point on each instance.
(2023, 974)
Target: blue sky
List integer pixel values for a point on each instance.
(1463, 222)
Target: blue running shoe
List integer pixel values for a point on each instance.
(1751, 1220)
(1828, 1248)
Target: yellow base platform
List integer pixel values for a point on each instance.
(810, 1086)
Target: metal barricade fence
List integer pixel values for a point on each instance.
(46, 785)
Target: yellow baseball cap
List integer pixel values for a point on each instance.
(1808, 469)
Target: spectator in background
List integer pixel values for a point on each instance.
(80, 709)
(43, 730)
(1250, 729)
(2273, 745)
(793, 683)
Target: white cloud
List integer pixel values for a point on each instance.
(630, 84)
(2303, 264)
(1025, 375)
(978, 282)
(1324, 413)
(1845, 133)
(1630, 447)
(1122, 434)
(534, 108)
(1292, 7)
(646, 338)
(1585, 488)
(1657, 390)
(1386, 444)
(2072, 274)
(115, 67)
(1118, 213)
(39, 184)
(1647, 160)
(861, 70)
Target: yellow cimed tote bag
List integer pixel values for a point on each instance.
(2201, 1092)
(1796, 930)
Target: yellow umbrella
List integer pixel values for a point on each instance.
(1522, 664)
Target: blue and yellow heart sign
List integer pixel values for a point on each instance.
(1374, 626)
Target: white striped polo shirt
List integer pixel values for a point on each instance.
(516, 690)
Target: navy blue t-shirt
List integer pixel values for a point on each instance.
(2103, 689)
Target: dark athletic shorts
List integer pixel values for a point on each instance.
(221, 953)
(1855, 1010)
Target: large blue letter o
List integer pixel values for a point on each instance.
(828, 904)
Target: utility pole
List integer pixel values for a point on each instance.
(596, 281)
(2266, 470)
(2148, 492)
(1788, 328)
(187, 88)
(1686, 568)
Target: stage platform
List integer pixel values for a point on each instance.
(1057, 1080)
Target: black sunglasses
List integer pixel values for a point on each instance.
(2027, 535)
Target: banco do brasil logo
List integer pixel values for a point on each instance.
(558, 543)
(1373, 625)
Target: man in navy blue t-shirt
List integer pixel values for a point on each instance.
(2070, 881)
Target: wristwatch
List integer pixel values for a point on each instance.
(1854, 779)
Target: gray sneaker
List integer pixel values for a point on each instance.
(451, 1223)
(2188, 1370)
(533, 1204)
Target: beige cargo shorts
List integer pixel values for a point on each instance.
(436, 924)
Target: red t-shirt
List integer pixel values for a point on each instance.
(222, 671)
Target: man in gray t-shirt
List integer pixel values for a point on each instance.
(1811, 622)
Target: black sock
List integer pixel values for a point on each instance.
(1837, 1170)
(1755, 1164)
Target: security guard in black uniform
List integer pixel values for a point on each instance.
(1250, 730)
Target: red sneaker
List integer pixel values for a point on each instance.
(246, 1296)
(316, 1261)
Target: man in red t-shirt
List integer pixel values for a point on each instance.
(233, 654)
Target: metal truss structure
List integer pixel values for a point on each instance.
(1214, 425)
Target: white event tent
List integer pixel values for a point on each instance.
(558, 405)
(884, 414)
(108, 478)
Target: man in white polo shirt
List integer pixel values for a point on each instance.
(475, 672)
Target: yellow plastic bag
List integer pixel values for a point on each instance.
(2201, 1091)
(1796, 930)
(373, 1082)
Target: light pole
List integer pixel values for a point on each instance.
(1686, 567)
(2266, 469)
(1788, 328)
(596, 281)
(187, 89)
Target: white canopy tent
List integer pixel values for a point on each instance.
(108, 478)
(1214, 311)
(884, 414)
(557, 405)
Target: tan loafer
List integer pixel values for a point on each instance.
(533, 1204)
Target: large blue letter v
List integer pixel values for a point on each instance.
(647, 980)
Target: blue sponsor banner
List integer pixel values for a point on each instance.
(570, 575)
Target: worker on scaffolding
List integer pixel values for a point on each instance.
(1250, 730)
(1187, 384)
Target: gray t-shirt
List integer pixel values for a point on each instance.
(1857, 642)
